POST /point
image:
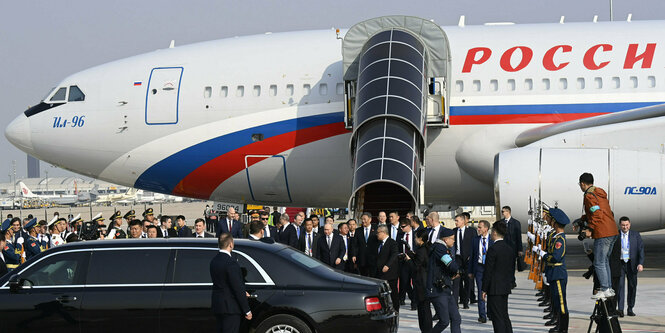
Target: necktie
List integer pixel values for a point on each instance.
(298, 232)
(408, 245)
(267, 233)
(431, 235)
(309, 244)
(482, 256)
(229, 225)
(459, 240)
(380, 246)
(394, 236)
(328, 242)
(366, 234)
(199, 236)
(625, 254)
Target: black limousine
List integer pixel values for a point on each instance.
(164, 285)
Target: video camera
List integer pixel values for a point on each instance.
(582, 225)
(89, 231)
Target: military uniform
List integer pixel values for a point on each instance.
(129, 216)
(442, 267)
(12, 259)
(114, 231)
(557, 275)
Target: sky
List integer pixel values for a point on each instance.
(42, 42)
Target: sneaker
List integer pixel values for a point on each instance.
(599, 295)
(609, 292)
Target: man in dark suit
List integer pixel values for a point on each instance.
(434, 226)
(464, 235)
(632, 262)
(287, 232)
(406, 242)
(199, 229)
(497, 278)
(182, 228)
(268, 230)
(387, 265)
(229, 298)
(366, 243)
(347, 241)
(330, 248)
(229, 225)
(417, 260)
(308, 238)
(513, 235)
(479, 247)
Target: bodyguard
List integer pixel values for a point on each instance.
(442, 269)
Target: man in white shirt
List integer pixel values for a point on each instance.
(382, 218)
(434, 226)
(480, 244)
(347, 264)
(632, 262)
(394, 225)
(256, 231)
(200, 229)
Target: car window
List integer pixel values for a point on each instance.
(128, 266)
(193, 266)
(250, 272)
(57, 270)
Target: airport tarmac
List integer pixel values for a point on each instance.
(526, 315)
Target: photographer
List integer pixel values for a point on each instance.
(599, 224)
(417, 263)
(442, 270)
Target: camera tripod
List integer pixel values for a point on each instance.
(605, 321)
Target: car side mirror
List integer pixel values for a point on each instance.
(14, 283)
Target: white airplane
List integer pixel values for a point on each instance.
(129, 195)
(471, 115)
(58, 199)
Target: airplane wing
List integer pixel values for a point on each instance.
(539, 133)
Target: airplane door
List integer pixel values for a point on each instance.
(266, 177)
(162, 97)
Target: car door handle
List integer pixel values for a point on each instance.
(253, 296)
(65, 299)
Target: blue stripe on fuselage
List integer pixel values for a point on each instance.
(166, 174)
(475, 110)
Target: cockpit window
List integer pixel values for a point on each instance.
(59, 95)
(75, 94)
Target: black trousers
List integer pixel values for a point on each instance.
(424, 316)
(227, 322)
(497, 305)
(394, 293)
(405, 287)
(627, 274)
(464, 286)
(559, 304)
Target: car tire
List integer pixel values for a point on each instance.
(283, 323)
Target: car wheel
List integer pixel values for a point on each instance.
(283, 324)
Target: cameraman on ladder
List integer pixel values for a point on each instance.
(598, 223)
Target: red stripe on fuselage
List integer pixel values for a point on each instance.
(206, 178)
(519, 118)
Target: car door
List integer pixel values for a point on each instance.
(186, 301)
(123, 289)
(49, 294)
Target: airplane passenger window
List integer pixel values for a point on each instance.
(224, 92)
(476, 85)
(75, 94)
(511, 85)
(494, 85)
(633, 81)
(207, 92)
(563, 83)
(323, 89)
(306, 89)
(273, 90)
(289, 89)
(459, 85)
(59, 95)
(240, 92)
(340, 89)
(598, 82)
(546, 84)
(580, 83)
(652, 81)
(616, 82)
(528, 84)
(257, 91)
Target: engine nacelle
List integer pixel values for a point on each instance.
(633, 181)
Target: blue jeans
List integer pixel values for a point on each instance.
(602, 248)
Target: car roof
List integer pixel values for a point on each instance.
(167, 242)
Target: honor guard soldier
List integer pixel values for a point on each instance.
(57, 227)
(73, 227)
(115, 228)
(557, 276)
(42, 236)
(12, 259)
(31, 244)
(129, 216)
(149, 215)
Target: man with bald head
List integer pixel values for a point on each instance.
(434, 226)
(229, 225)
(330, 248)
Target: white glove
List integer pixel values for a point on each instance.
(535, 249)
(531, 236)
(540, 247)
(542, 253)
(20, 240)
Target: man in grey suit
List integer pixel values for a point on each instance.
(632, 262)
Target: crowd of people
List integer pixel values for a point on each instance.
(421, 259)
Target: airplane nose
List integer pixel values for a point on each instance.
(18, 133)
